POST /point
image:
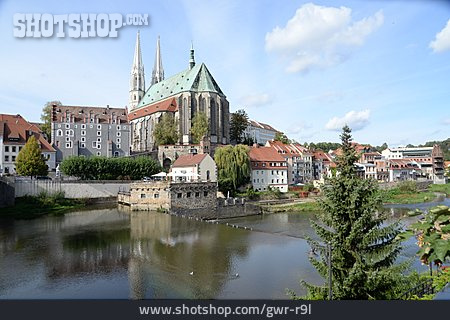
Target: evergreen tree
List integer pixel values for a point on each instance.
(29, 160)
(166, 130)
(200, 127)
(363, 250)
(238, 124)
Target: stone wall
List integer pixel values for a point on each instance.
(421, 185)
(71, 189)
(6, 194)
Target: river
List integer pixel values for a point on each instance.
(113, 254)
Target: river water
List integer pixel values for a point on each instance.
(113, 254)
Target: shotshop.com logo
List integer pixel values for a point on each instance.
(75, 25)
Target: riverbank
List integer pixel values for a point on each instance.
(292, 207)
(30, 207)
(407, 193)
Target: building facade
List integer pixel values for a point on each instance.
(90, 131)
(268, 169)
(14, 134)
(259, 132)
(196, 167)
(184, 95)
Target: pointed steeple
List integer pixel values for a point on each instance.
(191, 59)
(158, 71)
(137, 79)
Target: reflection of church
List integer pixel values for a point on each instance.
(184, 95)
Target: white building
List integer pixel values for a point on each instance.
(14, 134)
(193, 167)
(259, 132)
(269, 169)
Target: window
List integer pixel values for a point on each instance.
(6, 158)
(83, 139)
(142, 195)
(118, 134)
(118, 146)
(94, 144)
(13, 149)
(83, 126)
(179, 195)
(67, 132)
(6, 148)
(83, 145)
(59, 125)
(69, 144)
(197, 194)
(99, 133)
(67, 139)
(263, 164)
(118, 140)
(13, 158)
(99, 140)
(99, 153)
(272, 171)
(188, 195)
(99, 127)
(118, 127)
(59, 133)
(20, 148)
(83, 132)
(205, 193)
(156, 195)
(67, 126)
(91, 126)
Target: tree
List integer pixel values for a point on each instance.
(363, 250)
(433, 235)
(280, 136)
(46, 117)
(200, 127)
(233, 167)
(166, 130)
(238, 124)
(30, 161)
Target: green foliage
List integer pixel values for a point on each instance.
(433, 235)
(363, 250)
(445, 147)
(200, 127)
(166, 130)
(29, 161)
(381, 148)
(407, 186)
(251, 194)
(444, 188)
(280, 136)
(102, 168)
(238, 124)
(233, 167)
(308, 187)
(274, 193)
(324, 146)
(46, 117)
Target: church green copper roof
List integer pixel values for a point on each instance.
(197, 79)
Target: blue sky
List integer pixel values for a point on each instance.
(306, 68)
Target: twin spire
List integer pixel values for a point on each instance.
(137, 83)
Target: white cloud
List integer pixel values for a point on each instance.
(256, 100)
(356, 120)
(319, 36)
(442, 40)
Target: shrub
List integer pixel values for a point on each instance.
(407, 186)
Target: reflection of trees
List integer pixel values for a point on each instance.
(168, 248)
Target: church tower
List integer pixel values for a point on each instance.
(137, 80)
(158, 71)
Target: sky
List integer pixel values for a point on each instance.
(306, 68)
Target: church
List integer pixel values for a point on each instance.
(184, 95)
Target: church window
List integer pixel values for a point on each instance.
(59, 133)
(213, 117)
(83, 132)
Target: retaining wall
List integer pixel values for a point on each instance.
(71, 189)
(6, 194)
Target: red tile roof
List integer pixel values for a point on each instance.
(164, 105)
(265, 154)
(82, 114)
(292, 148)
(189, 160)
(262, 125)
(16, 130)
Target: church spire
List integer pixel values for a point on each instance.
(191, 59)
(137, 79)
(158, 71)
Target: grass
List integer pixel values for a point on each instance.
(396, 196)
(30, 207)
(444, 188)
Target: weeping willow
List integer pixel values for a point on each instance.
(233, 163)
